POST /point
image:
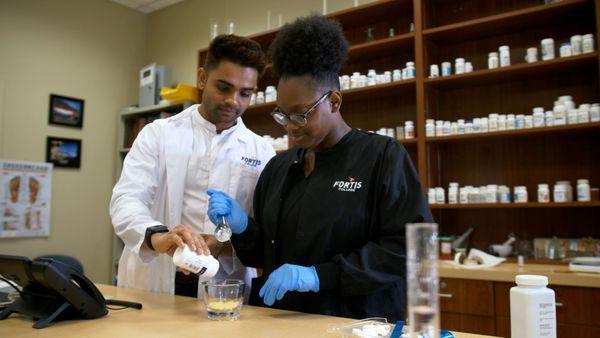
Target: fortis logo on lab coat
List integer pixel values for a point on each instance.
(252, 162)
(351, 185)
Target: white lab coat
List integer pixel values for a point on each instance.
(151, 188)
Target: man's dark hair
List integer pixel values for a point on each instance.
(312, 45)
(236, 49)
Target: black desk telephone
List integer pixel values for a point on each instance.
(52, 290)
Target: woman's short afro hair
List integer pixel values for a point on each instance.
(312, 45)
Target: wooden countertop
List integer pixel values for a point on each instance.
(506, 272)
(175, 316)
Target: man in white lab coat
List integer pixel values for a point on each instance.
(160, 200)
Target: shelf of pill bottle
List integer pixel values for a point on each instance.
(566, 129)
(380, 90)
(511, 21)
(517, 71)
(592, 204)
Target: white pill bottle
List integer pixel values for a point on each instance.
(532, 308)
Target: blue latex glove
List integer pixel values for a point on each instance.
(220, 204)
(289, 277)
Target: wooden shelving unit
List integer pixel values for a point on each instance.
(593, 204)
(516, 72)
(443, 31)
(556, 130)
(510, 21)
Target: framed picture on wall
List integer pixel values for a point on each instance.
(63, 152)
(65, 111)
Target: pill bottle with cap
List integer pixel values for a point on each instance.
(439, 128)
(595, 113)
(260, 97)
(520, 121)
(396, 75)
(493, 122)
(501, 122)
(504, 56)
(520, 194)
(576, 47)
(387, 75)
(453, 196)
(543, 193)
(447, 127)
(409, 130)
(459, 66)
(484, 124)
(538, 117)
(440, 197)
(549, 118)
(565, 50)
(371, 77)
(532, 308)
(429, 128)
(532, 55)
(431, 196)
(569, 188)
(446, 69)
(205, 266)
(493, 60)
(468, 67)
(587, 45)
(572, 116)
(434, 71)
(454, 128)
(461, 126)
(547, 49)
(510, 122)
(528, 121)
(560, 116)
(583, 190)
(410, 70)
(560, 193)
(270, 94)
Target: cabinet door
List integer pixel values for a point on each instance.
(574, 305)
(466, 296)
(467, 323)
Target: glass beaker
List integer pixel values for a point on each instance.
(223, 298)
(230, 26)
(423, 281)
(214, 28)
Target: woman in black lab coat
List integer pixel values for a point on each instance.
(329, 214)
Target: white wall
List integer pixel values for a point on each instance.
(88, 49)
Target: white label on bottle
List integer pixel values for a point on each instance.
(547, 319)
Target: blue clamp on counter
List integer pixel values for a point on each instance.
(397, 333)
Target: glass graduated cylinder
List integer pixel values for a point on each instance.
(423, 281)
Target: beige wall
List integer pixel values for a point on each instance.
(88, 49)
(177, 32)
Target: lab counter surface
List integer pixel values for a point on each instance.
(506, 272)
(176, 316)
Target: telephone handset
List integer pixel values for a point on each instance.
(52, 290)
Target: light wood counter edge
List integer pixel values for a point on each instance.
(183, 317)
(506, 272)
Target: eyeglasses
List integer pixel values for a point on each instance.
(298, 119)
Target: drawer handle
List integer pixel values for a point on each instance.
(559, 304)
(446, 295)
(443, 285)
